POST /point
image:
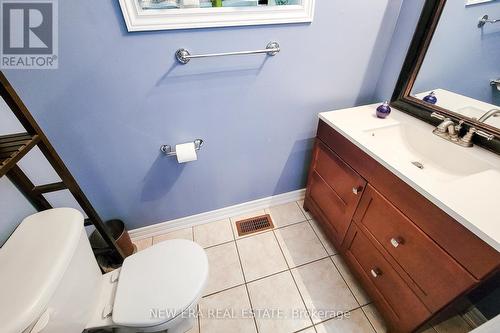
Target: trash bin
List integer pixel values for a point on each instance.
(103, 253)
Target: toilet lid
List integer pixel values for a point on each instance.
(159, 283)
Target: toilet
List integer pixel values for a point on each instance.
(50, 282)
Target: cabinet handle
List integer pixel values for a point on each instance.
(376, 272)
(397, 241)
(356, 190)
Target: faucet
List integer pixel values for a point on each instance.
(449, 131)
(447, 128)
(491, 113)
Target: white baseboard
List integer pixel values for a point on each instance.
(216, 215)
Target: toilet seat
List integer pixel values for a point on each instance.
(159, 283)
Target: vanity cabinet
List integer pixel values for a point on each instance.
(413, 259)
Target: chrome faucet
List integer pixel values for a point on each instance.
(449, 131)
(491, 113)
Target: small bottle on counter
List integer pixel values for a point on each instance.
(431, 98)
(383, 110)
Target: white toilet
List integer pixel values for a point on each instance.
(50, 282)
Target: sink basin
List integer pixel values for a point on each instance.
(427, 153)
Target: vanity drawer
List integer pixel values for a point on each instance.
(389, 291)
(438, 276)
(346, 182)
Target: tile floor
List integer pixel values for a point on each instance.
(278, 274)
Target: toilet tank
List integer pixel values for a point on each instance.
(50, 280)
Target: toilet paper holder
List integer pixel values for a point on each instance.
(167, 149)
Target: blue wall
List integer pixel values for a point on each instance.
(463, 58)
(401, 40)
(118, 96)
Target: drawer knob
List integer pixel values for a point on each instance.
(357, 190)
(376, 272)
(397, 241)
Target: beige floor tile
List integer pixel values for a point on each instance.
(300, 244)
(195, 328)
(322, 237)
(278, 293)
(354, 322)
(455, 324)
(301, 205)
(186, 233)
(142, 244)
(260, 256)
(214, 233)
(286, 214)
(234, 219)
(375, 318)
(308, 330)
(355, 286)
(224, 268)
(324, 291)
(227, 312)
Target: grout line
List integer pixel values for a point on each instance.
(245, 280)
(223, 290)
(223, 243)
(293, 278)
(345, 281)
(198, 317)
(369, 321)
(300, 209)
(321, 242)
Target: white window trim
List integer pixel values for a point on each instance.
(138, 19)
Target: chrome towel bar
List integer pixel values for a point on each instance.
(183, 56)
(486, 19)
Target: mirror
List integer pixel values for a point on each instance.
(181, 4)
(452, 68)
(149, 15)
(462, 63)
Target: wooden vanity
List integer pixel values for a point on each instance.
(412, 258)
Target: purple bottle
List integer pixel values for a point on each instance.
(431, 98)
(383, 110)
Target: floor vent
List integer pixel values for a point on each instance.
(254, 224)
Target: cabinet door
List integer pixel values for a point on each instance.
(333, 192)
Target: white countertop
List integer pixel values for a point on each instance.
(464, 182)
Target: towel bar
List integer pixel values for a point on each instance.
(183, 56)
(486, 19)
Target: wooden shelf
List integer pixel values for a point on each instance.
(13, 147)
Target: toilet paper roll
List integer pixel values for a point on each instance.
(186, 152)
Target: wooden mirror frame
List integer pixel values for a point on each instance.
(402, 99)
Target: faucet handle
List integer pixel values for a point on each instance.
(438, 116)
(485, 135)
(459, 126)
